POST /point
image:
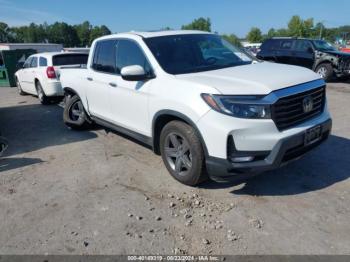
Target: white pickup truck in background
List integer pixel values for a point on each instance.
(199, 102)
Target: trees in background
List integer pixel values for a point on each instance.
(4, 32)
(80, 35)
(298, 27)
(255, 35)
(233, 39)
(203, 24)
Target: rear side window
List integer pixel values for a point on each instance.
(271, 44)
(129, 53)
(71, 59)
(286, 44)
(104, 56)
(302, 45)
(42, 61)
(34, 62)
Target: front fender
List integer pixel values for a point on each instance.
(177, 115)
(68, 91)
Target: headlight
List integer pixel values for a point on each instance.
(238, 106)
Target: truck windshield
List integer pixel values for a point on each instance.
(181, 54)
(324, 46)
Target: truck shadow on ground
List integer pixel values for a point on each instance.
(318, 169)
(15, 162)
(32, 127)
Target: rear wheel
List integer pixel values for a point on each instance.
(19, 88)
(182, 153)
(41, 94)
(74, 115)
(325, 70)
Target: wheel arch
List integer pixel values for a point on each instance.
(36, 81)
(68, 91)
(326, 61)
(161, 118)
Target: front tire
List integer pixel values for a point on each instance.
(325, 70)
(182, 153)
(74, 115)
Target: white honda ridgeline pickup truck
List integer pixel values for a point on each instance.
(200, 102)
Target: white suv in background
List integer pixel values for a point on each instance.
(199, 102)
(40, 74)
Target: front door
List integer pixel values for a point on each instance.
(23, 75)
(129, 99)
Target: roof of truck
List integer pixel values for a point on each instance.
(167, 32)
(148, 34)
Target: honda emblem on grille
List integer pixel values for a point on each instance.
(308, 104)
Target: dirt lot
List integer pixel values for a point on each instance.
(93, 192)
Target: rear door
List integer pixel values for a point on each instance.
(100, 79)
(31, 74)
(303, 53)
(268, 50)
(284, 52)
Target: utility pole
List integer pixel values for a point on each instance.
(321, 28)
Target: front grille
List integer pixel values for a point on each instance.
(344, 65)
(288, 111)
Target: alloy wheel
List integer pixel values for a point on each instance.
(178, 154)
(76, 111)
(322, 71)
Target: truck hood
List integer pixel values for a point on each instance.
(337, 53)
(258, 79)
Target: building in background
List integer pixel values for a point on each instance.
(39, 48)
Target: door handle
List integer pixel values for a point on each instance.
(89, 78)
(113, 84)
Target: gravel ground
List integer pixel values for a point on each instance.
(94, 192)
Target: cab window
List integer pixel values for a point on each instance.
(104, 56)
(129, 53)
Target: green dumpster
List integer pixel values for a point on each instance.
(8, 64)
(4, 81)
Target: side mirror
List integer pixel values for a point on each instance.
(19, 65)
(134, 73)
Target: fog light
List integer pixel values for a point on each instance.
(242, 159)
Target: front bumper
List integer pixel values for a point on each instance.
(287, 149)
(343, 68)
